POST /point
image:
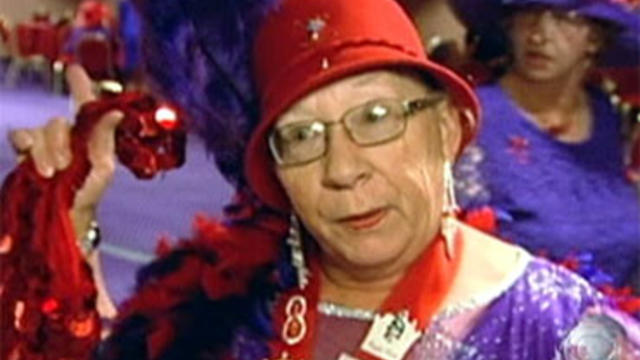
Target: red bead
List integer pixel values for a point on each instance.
(6, 243)
(82, 327)
(50, 305)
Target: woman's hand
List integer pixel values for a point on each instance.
(49, 147)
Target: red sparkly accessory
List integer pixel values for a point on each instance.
(48, 296)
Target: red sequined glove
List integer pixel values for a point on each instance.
(47, 291)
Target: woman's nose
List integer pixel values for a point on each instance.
(344, 164)
(540, 27)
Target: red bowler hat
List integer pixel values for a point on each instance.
(304, 45)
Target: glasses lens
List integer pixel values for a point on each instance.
(299, 142)
(376, 121)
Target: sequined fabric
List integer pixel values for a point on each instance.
(546, 313)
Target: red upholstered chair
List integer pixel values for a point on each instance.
(46, 41)
(94, 52)
(63, 32)
(25, 39)
(29, 55)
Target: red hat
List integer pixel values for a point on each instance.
(92, 13)
(304, 45)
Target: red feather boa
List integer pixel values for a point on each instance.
(239, 249)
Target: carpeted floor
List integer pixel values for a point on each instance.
(133, 213)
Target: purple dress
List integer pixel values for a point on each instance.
(543, 312)
(553, 197)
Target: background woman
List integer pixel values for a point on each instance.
(549, 157)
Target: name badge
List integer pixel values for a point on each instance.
(391, 336)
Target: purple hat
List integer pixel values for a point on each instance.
(620, 14)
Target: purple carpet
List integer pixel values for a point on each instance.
(133, 213)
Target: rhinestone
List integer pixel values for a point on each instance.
(314, 27)
(325, 63)
(18, 312)
(340, 311)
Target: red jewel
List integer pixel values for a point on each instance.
(82, 327)
(6, 243)
(50, 305)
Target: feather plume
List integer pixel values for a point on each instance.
(198, 53)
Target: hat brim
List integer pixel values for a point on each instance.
(260, 166)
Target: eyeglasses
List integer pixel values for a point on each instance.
(372, 123)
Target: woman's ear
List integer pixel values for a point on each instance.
(450, 129)
(596, 39)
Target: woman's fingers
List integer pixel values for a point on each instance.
(57, 138)
(80, 85)
(21, 140)
(102, 142)
(48, 146)
(102, 157)
(39, 153)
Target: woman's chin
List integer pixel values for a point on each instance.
(377, 246)
(372, 251)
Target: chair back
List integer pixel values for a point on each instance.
(95, 54)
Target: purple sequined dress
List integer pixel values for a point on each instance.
(542, 312)
(553, 197)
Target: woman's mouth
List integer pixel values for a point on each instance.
(366, 220)
(536, 58)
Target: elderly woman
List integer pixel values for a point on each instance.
(352, 154)
(549, 157)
